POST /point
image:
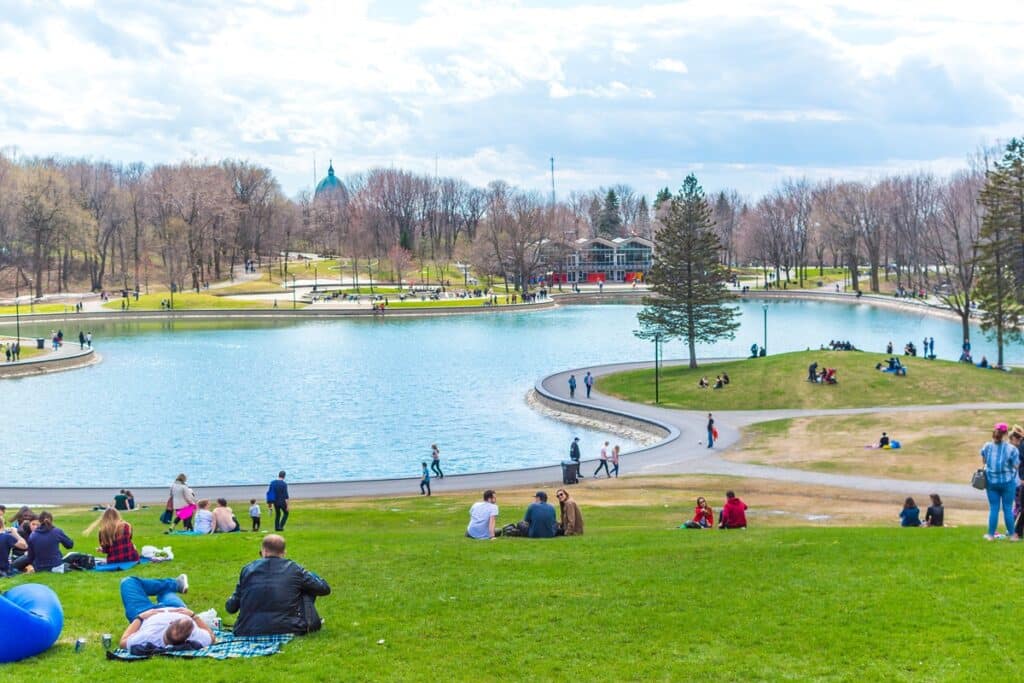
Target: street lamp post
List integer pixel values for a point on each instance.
(315, 281)
(17, 309)
(764, 347)
(657, 374)
(293, 292)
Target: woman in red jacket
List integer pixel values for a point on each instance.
(703, 516)
(734, 514)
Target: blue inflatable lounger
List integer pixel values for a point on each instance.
(31, 620)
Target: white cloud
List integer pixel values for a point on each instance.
(671, 65)
(498, 86)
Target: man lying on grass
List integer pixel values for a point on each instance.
(167, 625)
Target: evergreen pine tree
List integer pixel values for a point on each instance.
(610, 224)
(691, 299)
(664, 194)
(1000, 285)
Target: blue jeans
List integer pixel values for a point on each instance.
(1000, 494)
(135, 594)
(711, 438)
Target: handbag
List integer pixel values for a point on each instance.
(979, 480)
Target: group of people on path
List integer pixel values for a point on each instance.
(588, 383)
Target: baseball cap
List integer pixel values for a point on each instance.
(1000, 427)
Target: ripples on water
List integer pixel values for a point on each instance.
(357, 399)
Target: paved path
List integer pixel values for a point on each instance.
(688, 453)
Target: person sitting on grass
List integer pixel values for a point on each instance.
(703, 383)
(734, 513)
(910, 515)
(935, 513)
(44, 543)
(9, 540)
(203, 521)
(725, 378)
(540, 517)
(703, 516)
(224, 520)
(166, 625)
(719, 383)
(116, 538)
(482, 517)
(275, 595)
(983, 363)
(121, 501)
(883, 441)
(572, 519)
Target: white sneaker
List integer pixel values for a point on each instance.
(182, 583)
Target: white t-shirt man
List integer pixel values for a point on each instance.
(153, 628)
(480, 515)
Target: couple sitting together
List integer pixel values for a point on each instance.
(540, 520)
(273, 596)
(732, 516)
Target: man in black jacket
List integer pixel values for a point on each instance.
(275, 595)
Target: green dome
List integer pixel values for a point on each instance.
(330, 185)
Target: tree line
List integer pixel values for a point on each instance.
(67, 223)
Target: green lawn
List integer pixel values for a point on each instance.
(26, 309)
(186, 301)
(633, 599)
(781, 382)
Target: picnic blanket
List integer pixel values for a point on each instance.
(185, 533)
(228, 646)
(122, 566)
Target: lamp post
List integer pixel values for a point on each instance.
(315, 281)
(657, 374)
(17, 309)
(764, 347)
(293, 292)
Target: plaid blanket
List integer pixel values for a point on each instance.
(228, 646)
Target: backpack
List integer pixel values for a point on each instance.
(80, 561)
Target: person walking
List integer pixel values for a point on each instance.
(88, 339)
(588, 381)
(572, 386)
(435, 464)
(1001, 460)
(711, 431)
(615, 462)
(574, 454)
(81, 339)
(425, 481)
(183, 502)
(603, 462)
(277, 498)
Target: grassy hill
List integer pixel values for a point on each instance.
(780, 381)
(633, 599)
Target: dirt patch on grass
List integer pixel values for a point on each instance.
(772, 503)
(936, 446)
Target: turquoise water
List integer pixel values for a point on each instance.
(357, 399)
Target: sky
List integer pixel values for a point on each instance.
(744, 93)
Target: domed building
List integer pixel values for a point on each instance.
(331, 187)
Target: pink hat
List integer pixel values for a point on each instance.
(1001, 427)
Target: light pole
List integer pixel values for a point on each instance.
(764, 347)
(657, 375)
(293, 292)
(315, 281)
(17, 309)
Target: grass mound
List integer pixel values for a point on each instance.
(781, 382)
(414, 600)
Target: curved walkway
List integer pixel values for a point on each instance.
(688, 454)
